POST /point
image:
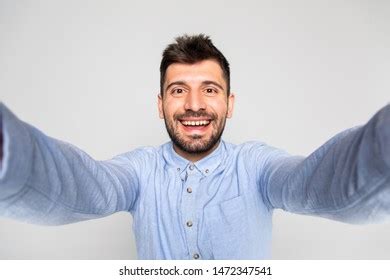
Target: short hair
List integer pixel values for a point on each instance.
(190, 50)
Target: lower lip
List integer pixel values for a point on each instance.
(195, 128)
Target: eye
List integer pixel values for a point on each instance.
(211, 91)
(177, 91)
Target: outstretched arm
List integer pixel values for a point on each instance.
(1, 142)
(47, 181)
(346, 179)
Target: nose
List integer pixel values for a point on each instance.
(194, 101)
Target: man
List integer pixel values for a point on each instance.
(196, 197)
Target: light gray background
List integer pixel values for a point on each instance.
(87, 72)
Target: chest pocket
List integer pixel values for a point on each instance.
(239, 228)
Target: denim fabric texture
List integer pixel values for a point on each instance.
(217, 208)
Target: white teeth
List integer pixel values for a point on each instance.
(195, 123)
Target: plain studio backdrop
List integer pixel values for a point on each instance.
(87, 72)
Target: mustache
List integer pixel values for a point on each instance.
(197, 114)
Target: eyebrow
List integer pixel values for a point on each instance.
(207, 82)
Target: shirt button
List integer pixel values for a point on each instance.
(191, 167)
(178, 169)
(207, 171)
(189, 190)
(189, 224)
(195, 256)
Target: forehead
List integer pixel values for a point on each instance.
(205, 70)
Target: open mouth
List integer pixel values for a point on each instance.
(192, 125)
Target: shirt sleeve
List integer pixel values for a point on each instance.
(346, 179)
(47, 181)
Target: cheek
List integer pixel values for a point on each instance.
(170, 108)
(219, 107)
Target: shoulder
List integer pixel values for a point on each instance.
(247, 149)
(256, 153)
(138, 158)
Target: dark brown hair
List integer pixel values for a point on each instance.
(189, 50)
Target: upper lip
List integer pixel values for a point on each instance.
(195, 119)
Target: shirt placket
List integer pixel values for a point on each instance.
(188, 207)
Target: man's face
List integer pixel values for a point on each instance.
(195, 106)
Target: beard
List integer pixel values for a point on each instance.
(197, 144)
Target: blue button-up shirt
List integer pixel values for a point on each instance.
(217, 208)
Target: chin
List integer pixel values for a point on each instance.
(196, 147)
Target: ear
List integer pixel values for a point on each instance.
(160, 106)
(231, 99)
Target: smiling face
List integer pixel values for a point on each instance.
(195, 106)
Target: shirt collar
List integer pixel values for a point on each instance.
(205, 166)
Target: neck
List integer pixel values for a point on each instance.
(194, 157)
